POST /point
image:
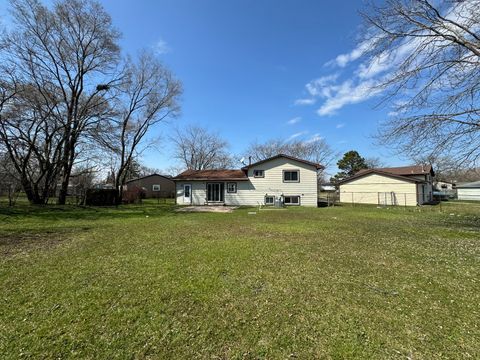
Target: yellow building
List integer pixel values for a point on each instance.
(404, 186)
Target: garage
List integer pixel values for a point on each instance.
(469, 191)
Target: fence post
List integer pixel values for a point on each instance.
(353, 204)
(405, 196)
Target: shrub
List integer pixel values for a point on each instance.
(133, 195)
(100, 197)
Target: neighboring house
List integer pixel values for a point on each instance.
(103, 186)
(407, 186)
(281, 179)
(443, 186)
(469, 191)
(154, 186)
(327, 188)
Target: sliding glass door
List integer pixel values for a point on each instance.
(215, 192)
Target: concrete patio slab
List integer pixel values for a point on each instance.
(215, 209)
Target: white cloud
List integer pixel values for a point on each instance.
(314, 137)
(310, 101)
(294, 120)
(361, 85)
(339, 126)
(342, 60)
(315, 87)
(161, 47)
(296, 135)
(347, 93)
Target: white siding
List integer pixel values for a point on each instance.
(199, 193)
(379, 189)
(253, 191)
(468, 194)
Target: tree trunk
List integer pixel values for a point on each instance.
(69, 156)
(118, 193)
(62, 194)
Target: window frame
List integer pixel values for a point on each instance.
(290, 171)
(153, 187)
(292, 204)
(235, 185)
(273, 200)
(259, 176)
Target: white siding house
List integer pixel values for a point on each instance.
(469, 191)
(280, 179)
(404, 186)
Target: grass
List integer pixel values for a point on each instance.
(146, 282)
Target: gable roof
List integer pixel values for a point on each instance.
(406, 170)
(472, 185)
(366, 172)
(317, 166)
(146, 176)
(225, 174)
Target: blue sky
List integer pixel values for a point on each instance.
(251, 70)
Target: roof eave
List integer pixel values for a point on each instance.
(210, 179)
(317, 166)
(382, 173)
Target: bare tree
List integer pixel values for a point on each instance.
(428, 55)
(32, 139)
(82, 179)
(148, 95)
(9, 181)
(198, 149)
(448, 169)
(316, 150)
(374, 162)
(71, 47)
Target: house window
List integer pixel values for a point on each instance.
(292, 200)
(156, 187)
(231, 187)
(269, 200)
(291, 176)
(258, 173)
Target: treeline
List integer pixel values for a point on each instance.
(68, 94)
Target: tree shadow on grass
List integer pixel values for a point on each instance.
(71, 212)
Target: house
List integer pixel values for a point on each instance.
(279, 180)
(407, 186)
(154, 186)
(443, 186)
(327, 188)
(469, 191)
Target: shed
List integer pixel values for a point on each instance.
(469, 191)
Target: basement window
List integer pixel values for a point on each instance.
(292, 200)
(269, 200)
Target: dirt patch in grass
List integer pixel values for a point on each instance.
(15, 243)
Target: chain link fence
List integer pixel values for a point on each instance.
(374, 198)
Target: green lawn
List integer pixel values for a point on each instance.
(146, 282)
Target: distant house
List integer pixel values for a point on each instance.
(279, 180)
(443, 186)
(154, 186)
(469, 191)
(407, 186)
(327, 188)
